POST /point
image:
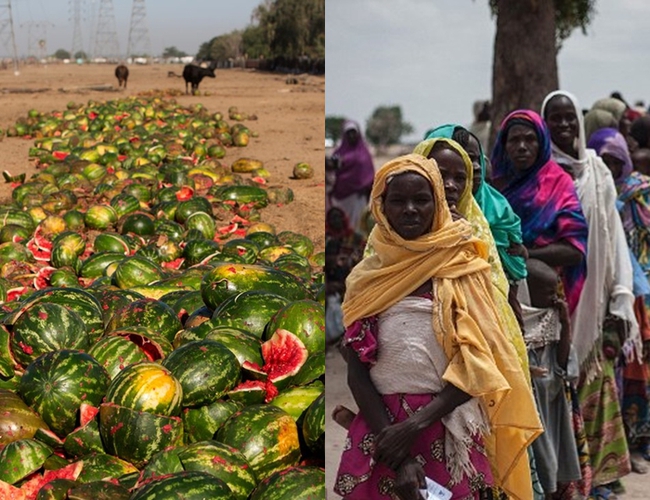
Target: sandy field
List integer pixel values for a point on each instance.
(290, 122)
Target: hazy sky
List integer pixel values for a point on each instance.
(185, 24)
(434, 58)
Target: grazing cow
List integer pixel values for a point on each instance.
(194, 74)
(122, 74)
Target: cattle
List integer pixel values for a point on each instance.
(122, 74)
(193, 75)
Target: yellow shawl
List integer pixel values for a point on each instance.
(481, 361)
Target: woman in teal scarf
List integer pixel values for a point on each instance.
(505, 224)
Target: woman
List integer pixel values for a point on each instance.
(607, 112)
(463, 378)
(354, 174)
(611, 146)
(458, 191)
(606, 305)
(553, 226)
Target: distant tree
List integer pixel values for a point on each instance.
(80, 55)
(222, 47)
(333, 126)
(528, 37)
(386, 126)
(173, 52)
(62, 54)
(254, 42)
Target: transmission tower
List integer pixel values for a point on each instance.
(77, 40)
(7, 36)
(106, 43)
(139, 43)
(36, 38)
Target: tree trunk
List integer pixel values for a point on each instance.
(525, 66)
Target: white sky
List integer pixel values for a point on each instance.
(434, 58)
(185, 24)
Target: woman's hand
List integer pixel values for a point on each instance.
(394, 442)
(410, 479)
(517, 250)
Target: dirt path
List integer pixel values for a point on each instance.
(290, 122)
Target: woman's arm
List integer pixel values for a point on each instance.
(369, 401)
(558, 254)
(394, 442)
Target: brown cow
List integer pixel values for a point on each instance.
(122, 75)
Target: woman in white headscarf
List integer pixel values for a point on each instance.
(606, 306)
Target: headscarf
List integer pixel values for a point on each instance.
(640, 131)
(544, 197)
(606, 112)
(356, 170)
(481, 361)
(504, 222)
(611, 141)
(609, 281)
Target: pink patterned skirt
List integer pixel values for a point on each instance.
(361, 478)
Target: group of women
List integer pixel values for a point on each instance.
(495, 328)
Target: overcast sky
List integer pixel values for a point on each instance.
(434, 58)
(185, 24)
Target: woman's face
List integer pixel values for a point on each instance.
(454, 174)
(562, 122)
(409, 205)
(474, 153)
(522, 146)
(352, 136)
(614, 164)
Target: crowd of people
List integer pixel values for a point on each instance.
(492, 304)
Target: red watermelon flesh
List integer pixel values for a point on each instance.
(34, 485)
(284, 354)
(9, 492)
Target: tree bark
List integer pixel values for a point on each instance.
(524, 70)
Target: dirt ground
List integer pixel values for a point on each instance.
(290, 122)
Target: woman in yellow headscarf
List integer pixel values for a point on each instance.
(439, 388)
(467, 206)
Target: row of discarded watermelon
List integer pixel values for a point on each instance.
(156, 336)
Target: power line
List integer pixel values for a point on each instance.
(139, 43)
(106, 43)
(77, 40)
(7, 35)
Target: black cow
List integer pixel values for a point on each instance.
(122, 75)
(193, 75)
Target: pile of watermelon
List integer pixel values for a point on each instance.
(158, 339)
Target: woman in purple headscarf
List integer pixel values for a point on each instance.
(354, 175)
(542, 194)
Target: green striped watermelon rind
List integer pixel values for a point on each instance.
(244, 345)
(266, 435)
(293, 483)
(222, 461)
(296, 400)
(250, 310)
(83, 440)
(162, 464)
(303, 318)
(135, 436)
(115, 352)
(57, 383)
(200, 424)
(103, 467)
(149, 313)
(17, 420)
(188, 485)
(313, 425)
(98, 490)
(20, 458)
(146, 386)
(206, 370)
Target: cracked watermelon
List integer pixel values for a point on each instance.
(17, 420)
(185, 485)
(57, 383)
(295, 483)
(266, 435)
(149, 313)
(250, 311)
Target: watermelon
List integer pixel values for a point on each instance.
(245, 249)
(17, 420)
(296, 400)
(96, 265)
(241, 194)
(206, 370)
(111, 242)
(221, 461)
(313, 425)
(146, 387)
(115, 352)
(201, 423)
(244, 345)
(58, 382)
(57, 489)
(9, 492)
(100, 217)
(138, 223)
(284, 355)
(250, 311)
(299, 243)
(266, 435)
(103, 467)
(163, 463)
(230, 279)
(150, 313)
(293, 483)
(83, 440)
(46, 327)
(111, 300)
(186, 485)
(99, 490)
(135, 436)
(38, 481)
(20, 458)
(305, 319)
